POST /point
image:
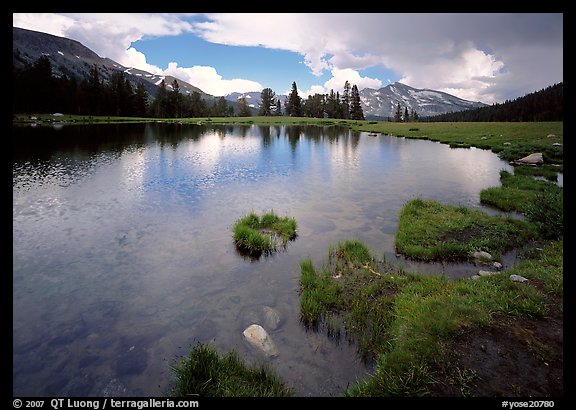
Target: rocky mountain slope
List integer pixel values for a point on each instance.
(383, 103)
(71, 58)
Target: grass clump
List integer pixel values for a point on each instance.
(431, 231)
(542, 202)
(206, 373)
(255, 234)
(351, 294)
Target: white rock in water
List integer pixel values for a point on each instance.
(518, 278)
(259, 338)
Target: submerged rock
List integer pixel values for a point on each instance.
(260, 339)
(262, 314)
(271, 317)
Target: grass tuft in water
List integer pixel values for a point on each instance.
(206, 373)
(260, 234)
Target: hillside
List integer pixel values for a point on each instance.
(544, 105)
(72, 59)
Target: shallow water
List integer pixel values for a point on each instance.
(123, 257)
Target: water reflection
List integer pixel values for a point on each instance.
(123, 256)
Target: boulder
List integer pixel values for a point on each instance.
(532, 159)
(486, 273)
(260, 339)
(518, 278)
(482, 256)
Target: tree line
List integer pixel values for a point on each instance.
(331, 105)
(408, 116)
(37, 90)
(546, 104)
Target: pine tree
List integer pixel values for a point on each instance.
(406, 115)
(140, 102)
(243, 108)
(356, 111)
(220, 107)
(159, 105)
(266, 102)
(277, 108)
(94, 92)
(398, 114)
(332, 105)
(314, 106)
(346, 100)
(196, 105)
(294, 107)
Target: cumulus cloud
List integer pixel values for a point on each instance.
(315, 89)
(337, 81)
(473, 55)
(340, 76)
(134, 58)
(50, 23)
(208, 80)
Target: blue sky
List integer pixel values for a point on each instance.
(271, 68)
(488, 57)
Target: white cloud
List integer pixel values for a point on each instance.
(340, 76)
(469, 75)
(50, 23)
(208, 80)
(464, 53)
(315, 89)
(136, 59)
(337, 81)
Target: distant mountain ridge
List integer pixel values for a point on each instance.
(382, 103)
(253, 98)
